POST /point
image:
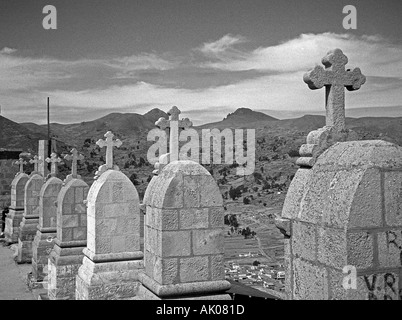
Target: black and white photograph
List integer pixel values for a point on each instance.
(214, 154)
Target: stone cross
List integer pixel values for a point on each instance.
(74, 157)
(54, 159)
(36, 162)
(109, 143)
(21, 163)
(334, 77)
(173, 124)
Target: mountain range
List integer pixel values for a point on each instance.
(136, 126)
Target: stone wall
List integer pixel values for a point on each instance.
(7, 174)
(345, 215)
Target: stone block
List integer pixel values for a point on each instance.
(217, 267)
(393, 198)
(176, 243)
(360, 250)
(69, 221)
(216, 217)
(366, 209)
(194, 218)
(169, 219)
(390, 248)
(210, 193)
(191, 191)
(210, 241)
(80, 233)
(332, 247)
(377, 286)
(310, 282)
(304, 243)
(173, 197)
(166, 270)
(194, 269)
(297, 189)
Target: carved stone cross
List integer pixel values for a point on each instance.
(36, 161)
(54, 160)
(74, 157)
(334, 77)
(174, 124)
(21, 163)
(109, 143)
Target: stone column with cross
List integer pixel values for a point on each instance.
(54, 160)
(16, 209)
(335, 79)
(66, 255)
(174, 124)
(109, 143)
(113, 257)
(35, 161)
(74, 157)
(30, 219)
(20, 162)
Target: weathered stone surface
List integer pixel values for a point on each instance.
(393, 198)
(183, 234)
(390, 248)
(351, 198)
(30, 219)
(44, 239)
(310, 281)
(332, 247)
(66, 256)
(304, 240)
(360, 250)
(112, 258)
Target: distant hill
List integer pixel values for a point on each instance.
(121, 124)
(134, 126)
(241, 118)
(14, 135)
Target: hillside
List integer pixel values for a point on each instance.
(14, 135)
(241, 118)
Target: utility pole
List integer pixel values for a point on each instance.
(49, 140)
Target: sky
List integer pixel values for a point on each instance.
(206, 57)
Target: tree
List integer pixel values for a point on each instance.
(246, 200)
(256, 263)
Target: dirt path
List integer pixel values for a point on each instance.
(13, 277)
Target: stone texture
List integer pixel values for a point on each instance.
(360, 250)
(44, 238)
(66, 256)
(30, 219)
(393, 198)
(183, 234)
(390, 248)
(112, 258)
(304, 240)
(351, 197)
(16, 208)
(310, 281)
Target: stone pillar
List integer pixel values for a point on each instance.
(183, 236)
(346, 226)
(30, 218)
(66, 256)
(112, 258)
(46, 228)
(43, 153)
(16, 210)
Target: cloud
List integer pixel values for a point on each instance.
(221, 47)
(7, 50)
(111, 84)
(373, 54)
